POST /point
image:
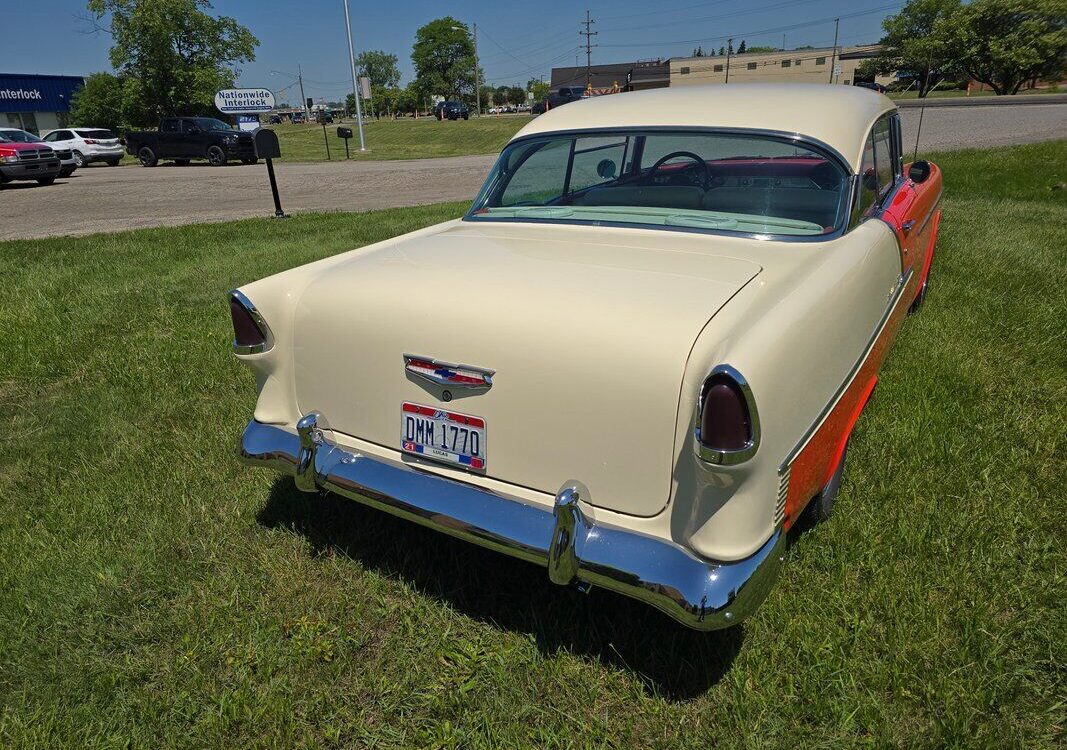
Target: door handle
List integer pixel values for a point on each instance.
(907, 225)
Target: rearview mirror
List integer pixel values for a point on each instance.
(919, 171)
(606, 169)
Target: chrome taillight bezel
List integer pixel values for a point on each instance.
(739, 455)
(257, 320)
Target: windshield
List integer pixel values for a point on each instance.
(752, 184)
(210, 123)
(19, 136)
(102, 135)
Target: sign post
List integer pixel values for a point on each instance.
(267, 147)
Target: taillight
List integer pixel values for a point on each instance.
(727, 424)
(89, 140)
(250, 332)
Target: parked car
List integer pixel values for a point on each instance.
(186, 138)
(87, 145)
(67, 165)
(564, 95)
(451, 110)
(275, 120)
(872, 86)
(23, 158)
(323, 118)
(651, 336)
(297, 118)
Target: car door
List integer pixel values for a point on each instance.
(171, 141)
(196, 139)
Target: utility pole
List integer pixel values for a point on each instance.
(303, 101)
(477, 81)
(833, 58)
(355, 93)
(729, 52)
(588, 34)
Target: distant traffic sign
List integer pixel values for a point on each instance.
(233, 101)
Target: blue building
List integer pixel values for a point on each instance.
(36, 103)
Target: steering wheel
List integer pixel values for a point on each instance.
(705, 180)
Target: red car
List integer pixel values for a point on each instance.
(27, 161)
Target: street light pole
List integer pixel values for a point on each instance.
(355, 93)
(477, 81)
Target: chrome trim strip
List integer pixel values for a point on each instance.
(728, 458)
(930, 214)
(783, 494)
(701, 594)
(894, 300)
(261, 324)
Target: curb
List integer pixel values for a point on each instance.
(984, 101)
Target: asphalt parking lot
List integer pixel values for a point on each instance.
(103, 199)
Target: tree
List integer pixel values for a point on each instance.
(914, 45)
(760, 49)
(443, 56)
(722, 50)
(742, 48)
(98, 102)
(538, 88)
(698, 52)
(380, 67)
(1005, 43)
(516, 95)
(171, 55)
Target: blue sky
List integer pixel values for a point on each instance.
(517, 41)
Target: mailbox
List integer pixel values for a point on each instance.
(345, 133)
(266, 143)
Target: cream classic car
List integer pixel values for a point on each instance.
(636, 360)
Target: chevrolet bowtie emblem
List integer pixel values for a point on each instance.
(447, 374)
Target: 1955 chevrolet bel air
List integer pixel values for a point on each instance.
(636, 360)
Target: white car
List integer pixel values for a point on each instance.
(87, 145)
(67, 163)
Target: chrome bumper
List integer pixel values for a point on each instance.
(702, 594)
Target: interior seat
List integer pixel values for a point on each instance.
(659, 196)
(804, 204)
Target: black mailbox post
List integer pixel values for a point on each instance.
(345, 133)
(268, 148)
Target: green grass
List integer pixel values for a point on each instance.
(406, 138)
(155, 593)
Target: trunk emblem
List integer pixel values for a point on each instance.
(448, 374)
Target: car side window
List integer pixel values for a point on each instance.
(169, 126)
(50, 138)
(541, 178)
(883, 157)
(596, 161)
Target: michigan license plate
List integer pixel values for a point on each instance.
(443, 435)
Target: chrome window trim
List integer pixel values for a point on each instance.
(261, 324)
(734, 457)
(894, 300)
(795, 139)
(861, 213)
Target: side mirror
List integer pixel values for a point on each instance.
(919, 171)
(606, 169)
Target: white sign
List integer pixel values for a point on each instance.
(837, 70)
(364, 88)
(232, 101)
(247, 123)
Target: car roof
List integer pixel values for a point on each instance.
(837, 116)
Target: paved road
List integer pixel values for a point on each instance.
(100, 199)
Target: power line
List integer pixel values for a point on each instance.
(717, 17)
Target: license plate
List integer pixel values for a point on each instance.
(443, 435)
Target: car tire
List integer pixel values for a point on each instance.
(45, 180)
(182, 162)
(113, 162)
(216, 157)
(466, 117)
(67, 172)
(249, 161)
(822, 505)
(79, 159)
(147, 157)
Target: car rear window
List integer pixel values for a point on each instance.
(102, 135)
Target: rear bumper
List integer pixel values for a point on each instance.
(702, 594)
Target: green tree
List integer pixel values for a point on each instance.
(98, 102)
(443, 56)
(915, 45)
(759, 49)
(516, 95)
(741, 49)
(380, 67)
(1005, 43)
(539, 88)
(172, 55)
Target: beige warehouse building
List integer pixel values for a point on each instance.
(786, 66)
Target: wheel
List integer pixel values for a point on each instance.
(45, 180)
(147, 157)
(67, 171)
(79, 159)
(253, 160)
(216, 156)
(113, 162)
(182, 162)
(822, 505)
(466, 117)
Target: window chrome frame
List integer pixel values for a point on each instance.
(740, 455)
(260, 323)
(790, 138)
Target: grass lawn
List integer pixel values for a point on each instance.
(950, 93)
(407, 138)
(155, 593)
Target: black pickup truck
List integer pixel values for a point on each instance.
(183, 139)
